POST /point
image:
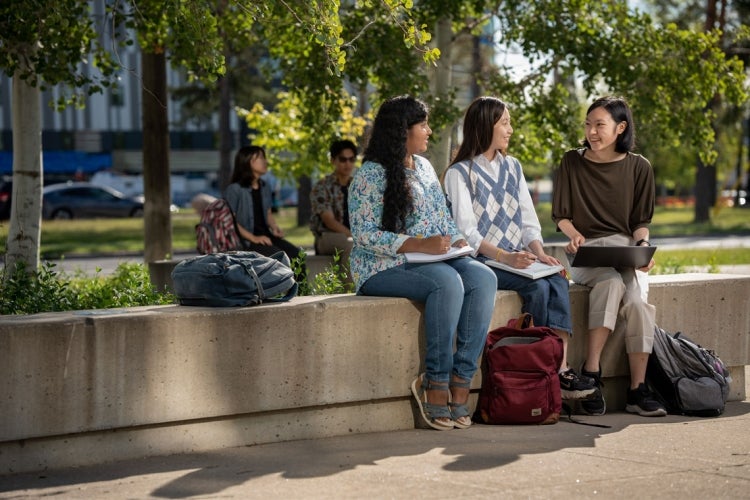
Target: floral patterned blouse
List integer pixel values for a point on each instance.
(376, 250)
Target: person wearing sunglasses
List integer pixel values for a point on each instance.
(329, 200)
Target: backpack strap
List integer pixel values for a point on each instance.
(569, 413)
(290, 294)
(284, 260)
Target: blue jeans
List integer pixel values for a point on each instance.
(546, 299)
(459, 299)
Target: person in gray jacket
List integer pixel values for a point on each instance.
(249, 197)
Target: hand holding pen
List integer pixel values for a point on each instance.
(437, 244)
(520, 259)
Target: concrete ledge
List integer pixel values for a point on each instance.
(94, 386)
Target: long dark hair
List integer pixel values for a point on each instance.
(620, 111)
(243, 174)
(387, 146)
(479, 126)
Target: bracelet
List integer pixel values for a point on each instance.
(640, 242)
(500, 252)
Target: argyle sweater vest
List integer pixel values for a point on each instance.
(496, 204)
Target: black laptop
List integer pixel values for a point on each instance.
(613, 256)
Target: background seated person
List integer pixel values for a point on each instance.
(249, 197)
(329, 199)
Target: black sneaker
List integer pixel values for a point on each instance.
(594, 404)
(573, 386)
(642, 401)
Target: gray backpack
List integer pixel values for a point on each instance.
(689, 379)
(234, 279)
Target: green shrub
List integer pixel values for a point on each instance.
(22, 292)
(129, 286)
(333, 279)
(47, 291)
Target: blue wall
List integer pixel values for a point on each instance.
(63, 162)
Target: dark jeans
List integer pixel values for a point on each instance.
(546, 299)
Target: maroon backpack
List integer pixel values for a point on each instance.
(520, 384)
(217, 231)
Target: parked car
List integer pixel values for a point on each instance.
(80, 200)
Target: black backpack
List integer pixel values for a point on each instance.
(689, 379)
(234, 279)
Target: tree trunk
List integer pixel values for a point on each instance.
(225, 110)
(304, 210)
(225, 132)
(705, 175)
(443, 79)
(157, 223)
(25, 228)
(705, 192)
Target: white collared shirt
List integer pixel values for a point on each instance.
(462, 206)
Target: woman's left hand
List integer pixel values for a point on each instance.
(548, 259)
(460, 244)
(277, 231)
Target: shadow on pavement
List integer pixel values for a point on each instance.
(479, 448)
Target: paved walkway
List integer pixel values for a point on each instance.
(665, 458)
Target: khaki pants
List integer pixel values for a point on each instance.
(616, 296)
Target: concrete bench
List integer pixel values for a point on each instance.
(94, 386)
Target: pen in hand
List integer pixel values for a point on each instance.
(522, 259)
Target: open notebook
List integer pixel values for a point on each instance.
(534, 271)
(428, 257)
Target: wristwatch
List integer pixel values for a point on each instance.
(641, 242)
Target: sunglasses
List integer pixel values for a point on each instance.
(344, 159)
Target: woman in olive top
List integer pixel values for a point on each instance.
(604, 195)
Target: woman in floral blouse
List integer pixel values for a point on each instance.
(396, 205)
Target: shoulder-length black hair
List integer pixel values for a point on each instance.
(387, 146)
(243, 174)
(620, 111)
(479, 127)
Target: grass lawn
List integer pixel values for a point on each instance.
(106, 236)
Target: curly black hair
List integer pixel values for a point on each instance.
(387, 146)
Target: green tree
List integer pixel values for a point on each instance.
(196, 34)
(41, 47)
(579, 50)
(185, 33)
(378, 65)
(318, 80)
(729, 21)
(45, 47)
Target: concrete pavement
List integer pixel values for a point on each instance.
(669, 457)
